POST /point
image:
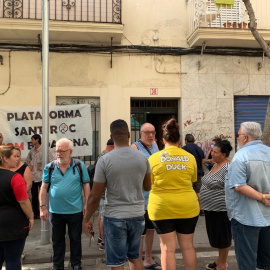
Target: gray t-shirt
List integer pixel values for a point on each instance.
(123, 170)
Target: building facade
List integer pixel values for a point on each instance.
(138, 61)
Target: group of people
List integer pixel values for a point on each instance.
(234, 196)
(146, 190)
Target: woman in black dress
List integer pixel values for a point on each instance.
(16, 215)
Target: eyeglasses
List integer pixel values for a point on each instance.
(61, 151)
(237, 135)
(149, 132)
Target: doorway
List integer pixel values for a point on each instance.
(154, 111)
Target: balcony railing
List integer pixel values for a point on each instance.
(102, 11)
(205, 13)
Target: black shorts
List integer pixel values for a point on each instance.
(218, 228)
(148, 223)
(181, 225)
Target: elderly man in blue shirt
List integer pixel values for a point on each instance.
(248, 199)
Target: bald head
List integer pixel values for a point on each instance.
(147, 134)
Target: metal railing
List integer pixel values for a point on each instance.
(205, 13)
(101, 11)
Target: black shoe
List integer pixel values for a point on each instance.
(57, 268)
(211, 266)
(202, 213)
(76, 267)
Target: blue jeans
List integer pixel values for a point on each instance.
(74, 223)
(252, 246)
(10, 252)
(122, 239)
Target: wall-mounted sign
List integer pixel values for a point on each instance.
(153, 91)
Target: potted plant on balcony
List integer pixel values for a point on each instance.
(227, 24)
(235, 24)
(242, 25)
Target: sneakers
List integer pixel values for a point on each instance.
(102, 246)
(99, 241)
(211, 266)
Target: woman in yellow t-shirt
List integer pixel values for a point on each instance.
(173, 204)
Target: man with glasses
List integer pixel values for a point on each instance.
(66, 203)
(248, 199)
(34, 161)
(148, 146)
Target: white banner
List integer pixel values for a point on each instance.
(19, 124)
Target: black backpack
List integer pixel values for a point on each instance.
(77, 165)
(91, 172)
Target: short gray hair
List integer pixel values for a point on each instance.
(252, 129)
(65, 140)
(143, 125)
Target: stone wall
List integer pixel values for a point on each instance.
(209, 84)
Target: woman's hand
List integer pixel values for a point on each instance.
(31, 223)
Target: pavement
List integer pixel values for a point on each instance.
(39, 256)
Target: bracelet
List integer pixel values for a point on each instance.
(263, 198)
(43, 205)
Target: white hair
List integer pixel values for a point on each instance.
(65, 140)
(252, 129)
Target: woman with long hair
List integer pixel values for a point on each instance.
(16, 216)
(173, 204)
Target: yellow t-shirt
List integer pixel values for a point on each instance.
(172, 172)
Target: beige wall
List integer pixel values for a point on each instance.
(143, 19)
(89, 75)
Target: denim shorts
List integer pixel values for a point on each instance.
(122, 239)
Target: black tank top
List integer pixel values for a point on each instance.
(13, 222)
(21, 170)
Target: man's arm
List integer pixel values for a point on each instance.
(28, 160)
(44, 215)
(250, 192)
(86, 191)
(28, 178)
(203, 168)
(92, 205)
(147, 182)
(134, 146)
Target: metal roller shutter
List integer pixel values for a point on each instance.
(249, 108)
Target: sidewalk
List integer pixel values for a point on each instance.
(91, 256)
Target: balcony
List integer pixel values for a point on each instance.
(225, 25)
(71, 21)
